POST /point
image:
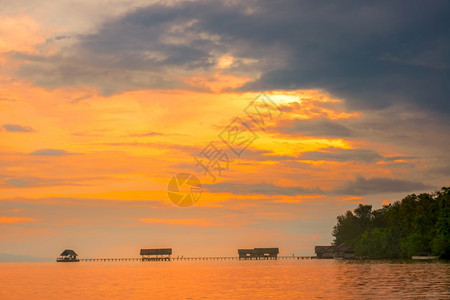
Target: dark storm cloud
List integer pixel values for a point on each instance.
(260, 189)
(359, 187)
(343, 155)
(371, 53)
(51, 152)
(378, 185)
(17, 128)
(25, 182)
(319, 128)
(325, 154)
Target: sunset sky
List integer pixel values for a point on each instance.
(103, 102)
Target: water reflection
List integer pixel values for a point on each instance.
(316, 279)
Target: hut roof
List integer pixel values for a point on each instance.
(68, 252)
(259, 251)
(321, 249)
(344, 248)
(245, 251)
(165, 251)
(267, 250)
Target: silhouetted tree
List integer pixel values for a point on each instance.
(418, 224)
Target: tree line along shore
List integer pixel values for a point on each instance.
(416, 225)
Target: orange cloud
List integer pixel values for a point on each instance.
(225, 62)
(16, 220)
(217, 81)
(126, 163)
(188, 222)
(20, 33)
(352, 198)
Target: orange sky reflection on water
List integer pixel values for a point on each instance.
(304, 279)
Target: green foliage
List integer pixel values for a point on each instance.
(417, 225)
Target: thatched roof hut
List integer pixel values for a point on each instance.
(68, 252)
(67, 255)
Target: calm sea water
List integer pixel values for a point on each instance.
(282, 279)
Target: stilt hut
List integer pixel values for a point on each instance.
(344, 251)
(258, 253)
(67, 255)
(324, 251)
(246, 253)
(156, 254)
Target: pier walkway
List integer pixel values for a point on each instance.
(188, 258)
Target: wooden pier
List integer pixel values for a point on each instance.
(186, 258)
(111, 259)
(164, 254)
